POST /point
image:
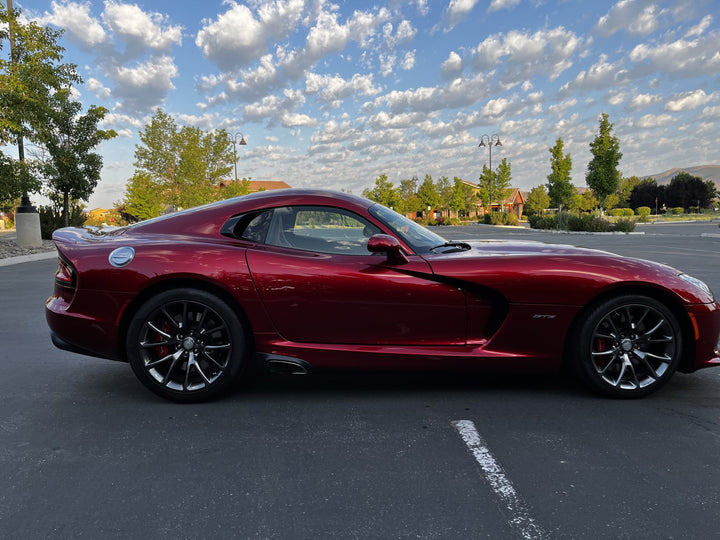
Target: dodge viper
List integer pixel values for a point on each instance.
(310, 280)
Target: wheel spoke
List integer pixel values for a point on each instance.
(654, 329)
(168, 374)
(156, 329)
(170, 319)
(174, 356)
(213, 330)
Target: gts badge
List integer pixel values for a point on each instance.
(542, 316)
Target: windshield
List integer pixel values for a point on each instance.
(416, 236)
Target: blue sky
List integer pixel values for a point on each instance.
(333, 94)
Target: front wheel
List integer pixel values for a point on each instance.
(186, 345)
(627, 347)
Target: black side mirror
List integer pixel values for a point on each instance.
(389, 245)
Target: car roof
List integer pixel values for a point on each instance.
(208, 218)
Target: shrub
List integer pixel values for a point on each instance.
(643, 211)
(626, 225)
(51, 219)
(501, 218)
(542, 223)
(677, 210)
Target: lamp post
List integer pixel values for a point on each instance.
(235, 142)
(27, 219)
(490, 141)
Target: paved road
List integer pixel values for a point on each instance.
(86, 451)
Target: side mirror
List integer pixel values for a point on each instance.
(389, 245)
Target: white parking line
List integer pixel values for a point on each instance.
(518, 514)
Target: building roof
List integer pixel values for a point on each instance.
(268, 185)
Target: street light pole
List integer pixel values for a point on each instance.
(490, 141)
(235, 142)
(27, 219)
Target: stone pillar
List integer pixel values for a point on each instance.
(27, 226)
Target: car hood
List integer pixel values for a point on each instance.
(538, 273)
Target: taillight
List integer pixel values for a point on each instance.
(65, 274)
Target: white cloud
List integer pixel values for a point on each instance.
(297, 120)
(653, 121)
(524, 56)
(633, 16)
(602, 74)
(640, 101)
(387, 62)
(223, 44)
(97, 88)
(405, 32)
(452, 66)
(457, 10)
(335, 89)
(688, 101)
(711, 112)
(497, 5)
(700, 28)
(681, 57)
(145, 85)
(138, 28)
(76, 19)
(408, 62)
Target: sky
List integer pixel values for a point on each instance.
(334, 94)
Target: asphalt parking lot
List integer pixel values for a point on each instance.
(86, 451)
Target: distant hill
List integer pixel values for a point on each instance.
(706, 172)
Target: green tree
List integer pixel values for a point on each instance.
(559, 186)
(428, 194)
(495, 183)
(143, 199)
(384, 193)
(470, 195)
(28, 78)
(603, 176)
(235, 189)
(445, 189)
(457, 196)
(185, 163)
(538, 200)
(583, 202)
(73, 170)
(686, 190)
(625, 189)
(408, 192)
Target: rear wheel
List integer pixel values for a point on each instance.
(628, 346)
(186, 345)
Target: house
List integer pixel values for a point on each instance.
(513, 203)
(259, 185)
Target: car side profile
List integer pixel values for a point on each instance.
(312, 280)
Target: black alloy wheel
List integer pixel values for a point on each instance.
(628, 346)
(186, 345)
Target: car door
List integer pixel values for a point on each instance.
(319, 284)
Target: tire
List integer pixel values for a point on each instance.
(627, 347)
(186, 345)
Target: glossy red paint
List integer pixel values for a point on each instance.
(490, 305)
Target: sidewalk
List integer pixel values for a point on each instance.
(11, 253)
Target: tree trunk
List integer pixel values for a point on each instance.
(66, 209)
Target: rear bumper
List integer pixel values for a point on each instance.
(60, 343)
(82, 334)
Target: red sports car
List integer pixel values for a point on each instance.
(305, 280)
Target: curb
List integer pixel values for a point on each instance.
(10, 261)
(609, 233)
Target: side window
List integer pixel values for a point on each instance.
(253, 227)
(320, 229)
